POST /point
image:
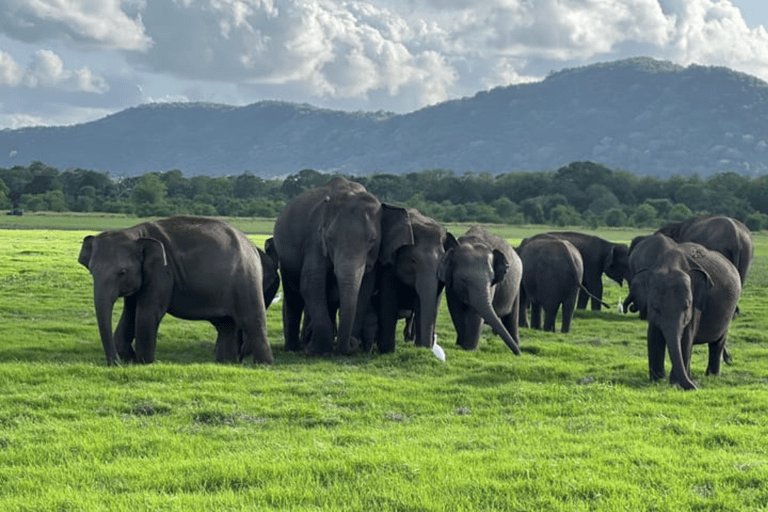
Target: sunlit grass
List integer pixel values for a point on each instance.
(572, 424)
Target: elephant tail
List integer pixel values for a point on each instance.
(606, 305)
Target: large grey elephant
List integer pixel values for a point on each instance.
(334, 234)
(482, 275)
(552, 278)
(688, 295)
(599, 256)
(194, 268)
(410, 284)
(728, 236)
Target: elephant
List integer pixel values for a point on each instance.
(728, 236)
(195, 268)
(231, 345)
(481, 273)
(409, 287)
(688, 295)
(552, 276)
(333, 234)
(599, 257)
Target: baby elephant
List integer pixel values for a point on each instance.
(552, 276)
(482, 276)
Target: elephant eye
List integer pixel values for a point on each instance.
(121, 272)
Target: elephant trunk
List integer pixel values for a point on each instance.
(485, 309)
(349, 281)
(103, 303)
(429, 302)
(674, 337)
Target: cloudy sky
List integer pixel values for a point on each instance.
(70, 61)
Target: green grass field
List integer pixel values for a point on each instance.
(572, 424)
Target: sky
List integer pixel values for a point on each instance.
(65, 62)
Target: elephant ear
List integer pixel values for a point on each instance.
(500, 266)
(450, 241)
(270, 249)
(445, 264)
(701, 282)
(153, 256)
(396, 231)
(85, 251)
(638, 290)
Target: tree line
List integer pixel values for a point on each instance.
(578, 194)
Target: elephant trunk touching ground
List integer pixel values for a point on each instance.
(104, 301)
(350, 283)
(482, 304)
(428, 289)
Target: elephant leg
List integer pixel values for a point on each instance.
(522, 318)
(550, 316)
(147, 323)
(511, 321)
(536, 315)
(293, 307)
(321, 335)
(126, 330)
(716, 353)
(226, 349)
(597, 290)
(569, 305)
(408, 328)
(584, 298)
(656, 348)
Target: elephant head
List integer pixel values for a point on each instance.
(356, 233)
(410, 283)
(670, 296)
(269, 265)
(122, 266)
(471, 273)
(617, 263)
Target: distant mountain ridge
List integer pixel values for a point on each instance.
(646, 116)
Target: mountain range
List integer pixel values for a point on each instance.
(646, 116)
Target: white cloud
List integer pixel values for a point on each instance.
(390, 54)
(95, 23)
(10, 73)
(46, 71)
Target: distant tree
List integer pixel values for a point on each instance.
(565, 215)
(248, 186)
(615, 217)
(148, 196)
(756, 221)
(679, 212)
(645, 216)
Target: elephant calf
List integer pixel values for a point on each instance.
(482, 276)
(194, 268)
(552, 276)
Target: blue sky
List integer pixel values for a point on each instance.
(71, 61)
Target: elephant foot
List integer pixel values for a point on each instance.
(315, 350)
(127, 355)
(351, 348)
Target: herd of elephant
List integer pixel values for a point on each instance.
(352, 266)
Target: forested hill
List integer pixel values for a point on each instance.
(646, 116)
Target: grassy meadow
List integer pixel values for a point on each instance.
(572, 424)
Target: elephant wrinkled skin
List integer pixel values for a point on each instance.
(552, 275)
(409, 286)
(329, 236)
(688, 295)
(194, 268)
(482, 275)
(599, 256)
